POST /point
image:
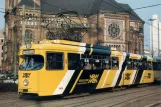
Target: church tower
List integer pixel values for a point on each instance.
(9, 4)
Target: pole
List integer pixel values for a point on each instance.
(158, 41)
(33, 36)
(23, 25)
(128, 44)
(97, 27)
(15, 53)
(152, 36)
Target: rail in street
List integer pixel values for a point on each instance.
(135, 97)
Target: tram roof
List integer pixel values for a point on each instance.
(157, 58)
(80, 44)
(71, 46)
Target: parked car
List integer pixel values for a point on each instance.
(11, 76)
(3, 76)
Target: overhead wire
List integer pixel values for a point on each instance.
(106, 3)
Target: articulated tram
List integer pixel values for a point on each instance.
(60, 67)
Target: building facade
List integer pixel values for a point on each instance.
(91, 21)
(155, 36)
(1, 47)
(159, 39)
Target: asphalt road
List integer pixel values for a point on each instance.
(133, 97)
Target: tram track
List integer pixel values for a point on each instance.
(88, 102)
(85, 101)
(123, 103)
(78, 101)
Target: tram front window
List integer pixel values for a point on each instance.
(32, 62)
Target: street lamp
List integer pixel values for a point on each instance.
(152, 33)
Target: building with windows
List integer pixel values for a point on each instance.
(107, 23)
(1, 47)
(159, 39)
(147, 52)
(155, 36)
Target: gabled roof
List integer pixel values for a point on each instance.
(57, 6)
(85, 7)
(80, 6)
(28, 4)
(133, 15)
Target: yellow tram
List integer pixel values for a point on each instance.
(59, 67)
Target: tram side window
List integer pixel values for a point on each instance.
(155, 65)
(55, 61)
(106, 63)
(158, 65)
(140, 66)
(129, 64)
(115, 63)
(145, 65)
(73, 61)
(149, 65)
(97, 62)
(86, 62)
(135, 64)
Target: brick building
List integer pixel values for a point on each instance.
(105, 22)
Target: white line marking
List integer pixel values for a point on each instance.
(105, 78)
(133, 76)
(63, 84)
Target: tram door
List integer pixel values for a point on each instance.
(129, 72)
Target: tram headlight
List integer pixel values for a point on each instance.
(25, 82)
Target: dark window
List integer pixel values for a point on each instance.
(149, 65)
(129, 64)
(144, 64)
(97, 62)
(73, 61)
(2, 40)
(159, 65)
(115, 63)
(106, 63)
(155, 65)
(140, 66)
(86, 62)
(55, 61)
(135, 64)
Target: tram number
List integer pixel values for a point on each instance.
(127, 76)
(26, 75)
(149, 75)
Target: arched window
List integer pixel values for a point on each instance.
(29, 36)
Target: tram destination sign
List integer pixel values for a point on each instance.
(28, 52)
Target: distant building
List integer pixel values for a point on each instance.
(1, 47)
(160, 38)
(155, 36)
(105, 23)
(147, 52)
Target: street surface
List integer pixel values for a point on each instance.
(134, 97)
